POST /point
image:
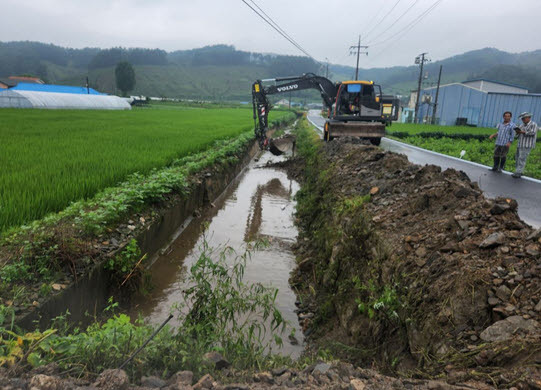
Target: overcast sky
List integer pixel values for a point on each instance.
(325, 29)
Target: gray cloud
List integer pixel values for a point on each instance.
(325, 29)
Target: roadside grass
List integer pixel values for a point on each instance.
(51, 158)
(452, 140)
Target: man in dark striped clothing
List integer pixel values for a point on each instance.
(527, 135)
(504, 138)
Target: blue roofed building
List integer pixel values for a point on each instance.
(478, 102)
(54, 88)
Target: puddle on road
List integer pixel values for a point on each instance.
(258, 204)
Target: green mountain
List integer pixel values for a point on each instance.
(521, 69)
(221, 72)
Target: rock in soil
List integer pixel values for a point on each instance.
(45, 382)
(181, 378)
(112, 379)
(153, 382)
(505, 329)
(216, 360)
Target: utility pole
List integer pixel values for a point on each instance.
(420, 59)
(357, 50)
(435, 108)
(327, 70)
(87, 86)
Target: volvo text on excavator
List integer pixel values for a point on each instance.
(354, 108)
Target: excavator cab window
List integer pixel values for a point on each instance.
(353, 97)
(354, 88)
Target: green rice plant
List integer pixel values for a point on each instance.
(51, 158)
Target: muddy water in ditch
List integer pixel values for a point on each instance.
(258, 204)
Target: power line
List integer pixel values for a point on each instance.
(371, 24)
(411, 24)
(398, 19)
(276, 24)
(382, 19)
(405, 30)
(279, 30)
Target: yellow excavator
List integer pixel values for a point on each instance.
(354, 108)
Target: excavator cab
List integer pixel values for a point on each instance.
(358, 100)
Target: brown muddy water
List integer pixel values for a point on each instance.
(257, 204)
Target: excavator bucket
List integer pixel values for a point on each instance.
(281, 145)
(357, 129)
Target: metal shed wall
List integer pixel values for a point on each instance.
(480, 108)
(455, 101)
(497, 103)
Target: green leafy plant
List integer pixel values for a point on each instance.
(15, 271)
(377, 300)
(226, 314)
(127, 265)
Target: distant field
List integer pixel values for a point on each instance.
(473, 140)
(50, 158)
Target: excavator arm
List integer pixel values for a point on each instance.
(261, 104)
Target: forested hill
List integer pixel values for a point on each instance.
(522, 69)
(221, 72)
(217, 72)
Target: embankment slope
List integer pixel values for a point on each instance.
(413, 269)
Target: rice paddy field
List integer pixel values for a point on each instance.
(50, 158)
(452, 140)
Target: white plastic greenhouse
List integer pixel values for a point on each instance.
(55, 100)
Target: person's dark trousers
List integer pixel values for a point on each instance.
(500, 156)
(496, 163)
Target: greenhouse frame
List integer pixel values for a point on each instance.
(57, 100)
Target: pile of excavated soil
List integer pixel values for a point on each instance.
(317, 376)
(466, 271)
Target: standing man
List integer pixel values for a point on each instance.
(527, 135)
(505, 136)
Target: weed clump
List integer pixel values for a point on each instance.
(219, 312)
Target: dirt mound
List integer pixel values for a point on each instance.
(316, 376)
(425, 271)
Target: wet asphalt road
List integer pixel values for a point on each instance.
(526, 191)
